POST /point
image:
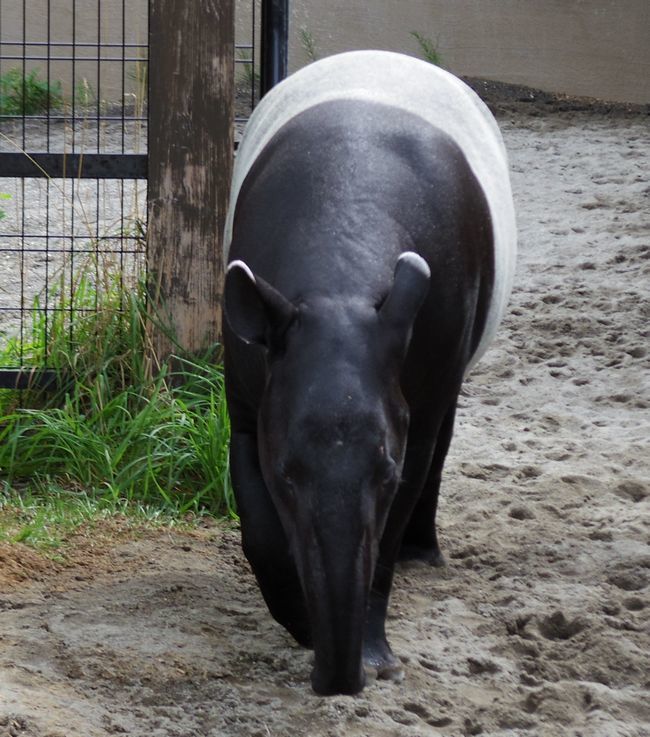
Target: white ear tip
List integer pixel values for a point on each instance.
(241, 265)
(416, 262)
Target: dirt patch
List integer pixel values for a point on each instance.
(538, 626)
(503, 98)
(20, 564)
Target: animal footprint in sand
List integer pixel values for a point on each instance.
(421, 711)
(557, 627)
(631, 491)
(479, 666)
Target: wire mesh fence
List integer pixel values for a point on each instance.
(73, 143)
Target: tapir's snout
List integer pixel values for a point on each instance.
(337, 577)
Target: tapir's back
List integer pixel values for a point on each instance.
(415, 87)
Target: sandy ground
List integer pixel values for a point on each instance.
(538, 626)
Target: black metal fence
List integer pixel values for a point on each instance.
(73, 162)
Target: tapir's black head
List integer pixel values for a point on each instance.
(331, 436)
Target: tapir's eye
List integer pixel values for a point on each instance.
(283, 473)
(289, 473)
(284, 485)
(388, 472)
(379, 303)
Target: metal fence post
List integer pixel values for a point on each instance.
(191, 86)
(274, 43)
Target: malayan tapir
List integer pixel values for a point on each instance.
(371, 246)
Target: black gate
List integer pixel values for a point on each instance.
(73, 161)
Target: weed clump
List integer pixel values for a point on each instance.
(28, 94)
(116, 430)
(428, 49)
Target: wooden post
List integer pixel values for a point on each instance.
(191, 87)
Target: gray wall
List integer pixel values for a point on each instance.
(597, 48)
(93, 21)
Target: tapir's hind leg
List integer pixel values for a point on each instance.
(420, 541)
(264, 541)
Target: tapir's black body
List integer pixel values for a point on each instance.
(341, 415)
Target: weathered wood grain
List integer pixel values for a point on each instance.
(191, 85)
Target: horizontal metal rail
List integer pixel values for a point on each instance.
(61, 237)
(34, 57)
(61, 117)
(63, 166)
(89, 44)
(26, 378)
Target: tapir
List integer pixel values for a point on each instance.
(370, 247)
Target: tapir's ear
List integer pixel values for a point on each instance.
(409, 290)
(254, 309)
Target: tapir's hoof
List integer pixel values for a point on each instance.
(380, 663)
(335, 685)
(433, 556)
(437, 559)
(387, 672)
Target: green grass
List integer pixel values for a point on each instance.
(428, 49)
(45, 515)
(116, 437)
(27, 94)
(308, 43)
(247, 75)
(85, 96)
(4, 196)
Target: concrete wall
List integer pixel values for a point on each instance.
(597, 48)
(92, 22)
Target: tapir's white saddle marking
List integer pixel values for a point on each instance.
(416, 87)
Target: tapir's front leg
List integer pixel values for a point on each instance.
(425, 454)
(420, 540)
(377, 652)
(264, 541)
